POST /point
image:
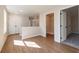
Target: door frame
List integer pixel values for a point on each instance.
(46, 21)
(60, 20)
(63, 29)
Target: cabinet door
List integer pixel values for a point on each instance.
(14, 24)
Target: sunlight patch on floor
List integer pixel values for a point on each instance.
(26, 43)
(32, 44)
(18, 43)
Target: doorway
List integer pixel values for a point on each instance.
(50, 24)
(70, 26)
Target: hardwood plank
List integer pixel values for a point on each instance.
(47, 45)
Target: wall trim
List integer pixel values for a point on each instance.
(29, 36)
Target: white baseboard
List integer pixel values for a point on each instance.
(29, 36)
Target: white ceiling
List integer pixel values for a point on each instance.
(30, 9)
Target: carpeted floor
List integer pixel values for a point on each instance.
(72, 40)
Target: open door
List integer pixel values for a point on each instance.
(63, 26)
(50, 24)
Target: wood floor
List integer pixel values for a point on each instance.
(15, 44)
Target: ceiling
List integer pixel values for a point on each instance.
(30, 9)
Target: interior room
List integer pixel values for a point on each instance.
(24, 29)
(71, 28)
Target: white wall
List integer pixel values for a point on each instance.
(56, 12)
(3, 26)
(42, 23)
(25, 21)
(28, 32)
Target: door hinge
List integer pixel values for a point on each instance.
(60, 37)
(60, 25)
(60, 13)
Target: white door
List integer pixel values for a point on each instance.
(63, 26)
(14, 24)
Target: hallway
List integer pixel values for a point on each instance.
(38, 44)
